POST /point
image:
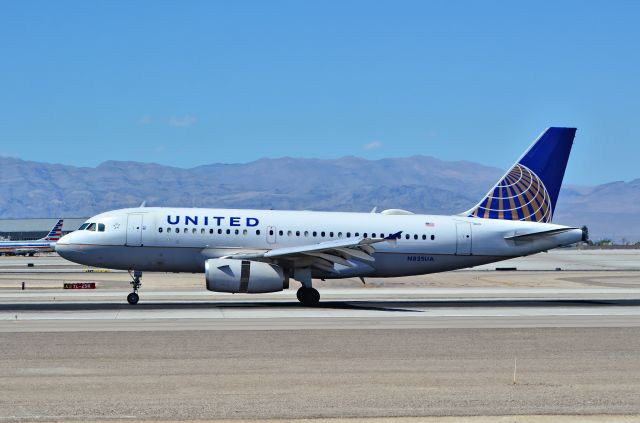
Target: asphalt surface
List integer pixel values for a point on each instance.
(262, 374)
(439, 345)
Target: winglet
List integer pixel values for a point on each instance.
(395, 236)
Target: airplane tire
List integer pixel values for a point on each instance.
(133, 298)
(308, 296)
(299, 293)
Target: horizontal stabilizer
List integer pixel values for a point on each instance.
(537, 235)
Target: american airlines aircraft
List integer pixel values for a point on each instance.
(46, 244)
(257, 251)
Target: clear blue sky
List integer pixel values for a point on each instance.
(186, 83)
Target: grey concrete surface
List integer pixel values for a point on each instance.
(435, 419)
(343, 309)
(321, 373)
(433, 345)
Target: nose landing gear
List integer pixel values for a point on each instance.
(133, 298)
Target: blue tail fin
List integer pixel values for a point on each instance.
(529, 190)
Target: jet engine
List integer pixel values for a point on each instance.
(254, 277)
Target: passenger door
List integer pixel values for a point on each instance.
(463, 238)
(271, 235)
(134, 230)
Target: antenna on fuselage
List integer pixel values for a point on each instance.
(143, 204)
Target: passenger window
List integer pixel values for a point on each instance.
(210, 231)
(280, 232)
(194, 231)
(357, 234)
(101, 227)
(228, 231)
(289, 233)
(168, 230)
(297, 233)
(433, 237)
(258, 232)
(415, 237)
(348, 234)
(322, 234)
(306, 233)
(219, 231)
(186, 230)
(373, 235)
(424, 237)
(381, 235)
(91, 227)
(364, 234)
(160, 230)
(270, 231)
(315, 234)
(330, 234)
(244, 232)
(83, 227)
(407, 236)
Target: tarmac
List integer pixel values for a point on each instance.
(555, 340)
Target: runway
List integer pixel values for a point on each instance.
(473, 343)
(345, 309)
(184, 375)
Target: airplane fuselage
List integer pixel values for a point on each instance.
(26, 247)
(183, 239)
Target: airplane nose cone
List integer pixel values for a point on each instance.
(68, 250)
(62, 244)
(64, 250)
(63, 240)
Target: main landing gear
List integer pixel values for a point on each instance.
(308, 296)
(133, 298)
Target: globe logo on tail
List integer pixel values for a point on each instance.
(520, 195)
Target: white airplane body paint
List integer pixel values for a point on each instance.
(259, 250)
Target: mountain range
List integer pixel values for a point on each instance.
(419, 183)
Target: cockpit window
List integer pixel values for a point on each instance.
(91, 227)
(83, 227)
(101, 227)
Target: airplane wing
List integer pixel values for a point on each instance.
(538, 235)
(324, 254)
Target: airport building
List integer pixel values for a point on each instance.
(30, 229)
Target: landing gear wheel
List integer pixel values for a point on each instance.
(308, 296)
(133, 298)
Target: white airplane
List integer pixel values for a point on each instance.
(24, 248)
(257, 251)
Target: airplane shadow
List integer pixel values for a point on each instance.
(394, 306)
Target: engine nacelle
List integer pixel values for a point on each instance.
(254, 277)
